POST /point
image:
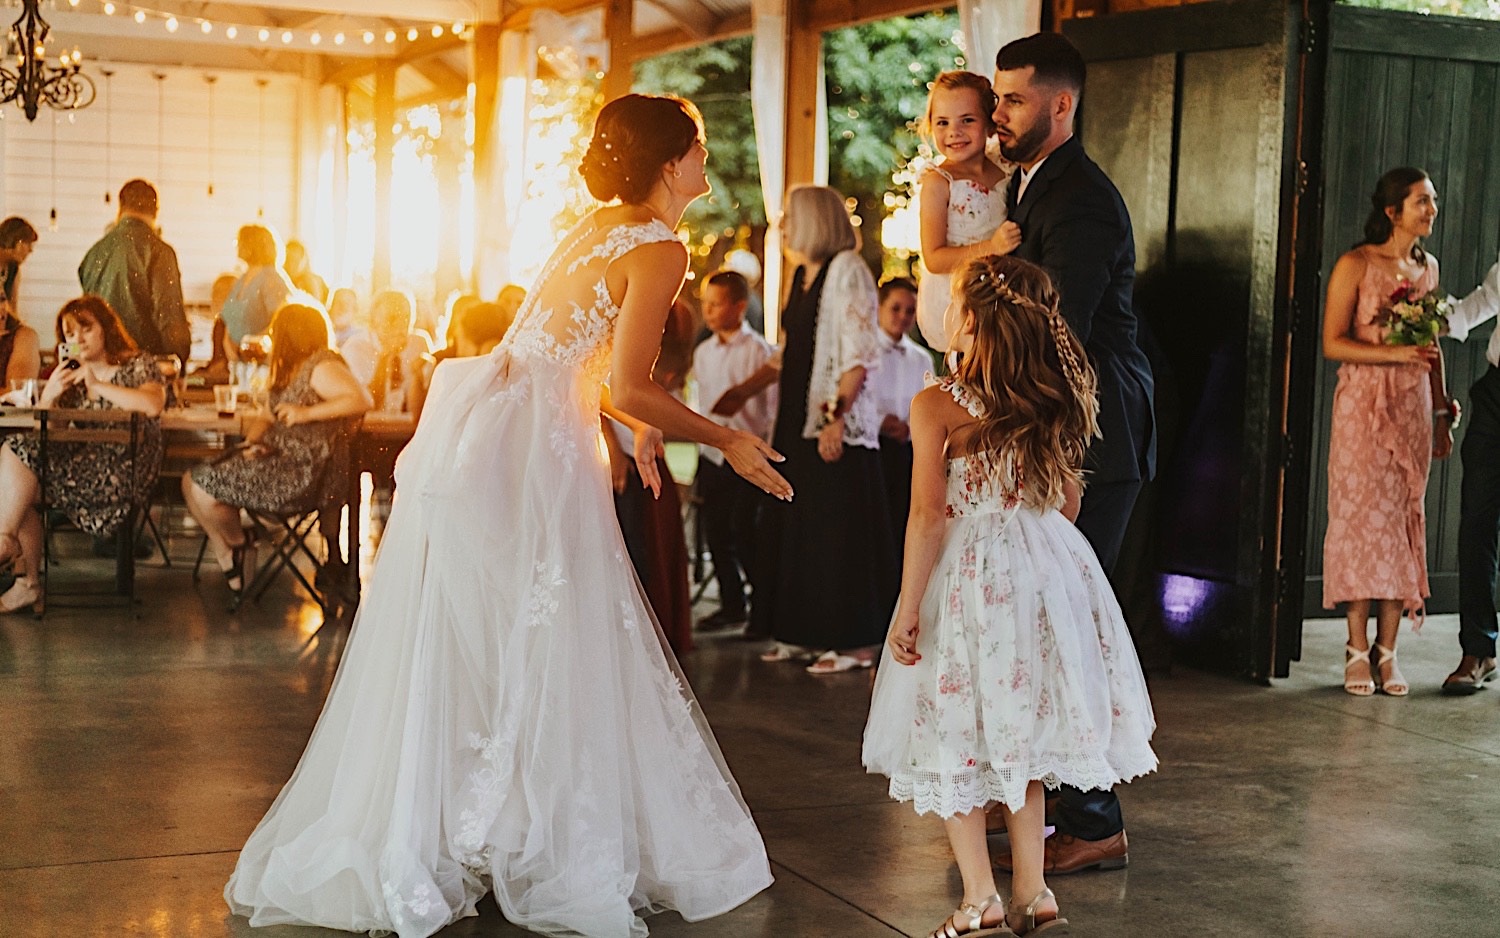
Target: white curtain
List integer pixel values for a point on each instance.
(768, 106)
(989, 24)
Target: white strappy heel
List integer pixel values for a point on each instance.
(1359, 688)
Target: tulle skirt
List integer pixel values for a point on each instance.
(507, 716)
(1027, 672)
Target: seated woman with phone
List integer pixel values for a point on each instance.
(97, 485)
(281, 467)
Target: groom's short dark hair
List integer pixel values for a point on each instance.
(1057, 61)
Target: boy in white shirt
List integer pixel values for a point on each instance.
(897, 378)
(729, 504)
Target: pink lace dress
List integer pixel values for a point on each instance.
(1027, 669)
(1379, 454)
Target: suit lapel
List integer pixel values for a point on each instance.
(1054, 166)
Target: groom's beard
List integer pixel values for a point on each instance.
(1027, 146)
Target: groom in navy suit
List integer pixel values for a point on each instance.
(1075, 226)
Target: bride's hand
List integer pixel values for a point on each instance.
(648, 446)
(751, 457)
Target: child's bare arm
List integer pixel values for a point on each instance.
(924, 528)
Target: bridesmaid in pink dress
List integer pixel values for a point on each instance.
(1383, 441)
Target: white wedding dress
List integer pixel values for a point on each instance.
(507, 716)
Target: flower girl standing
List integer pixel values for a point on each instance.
(961, 198)
(1008, 666)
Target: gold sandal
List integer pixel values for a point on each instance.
(968, 922)
(1029, 925)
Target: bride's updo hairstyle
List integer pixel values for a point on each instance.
(634, 137)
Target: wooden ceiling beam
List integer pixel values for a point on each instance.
(415, 51)
(692, 15)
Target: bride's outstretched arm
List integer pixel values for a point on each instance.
(652, 274)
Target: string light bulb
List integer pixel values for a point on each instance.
(264, 35)
(315, 38)
(338, 39)
(368, 37)
(411, 34)
(458, 28)
(206, 26)
(171, 24)
(140, 16)
(286, 37)
(437, 31)
(231, 32)
(109, 9)
(390, 36)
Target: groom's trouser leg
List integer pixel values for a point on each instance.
(1479, 518)
(1095, 815)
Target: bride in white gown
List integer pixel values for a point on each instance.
(507, 716)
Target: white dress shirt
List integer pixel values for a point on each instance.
(362, 354)
(1027, 174)
(720, 364)
(1475, 309)
(898, 377)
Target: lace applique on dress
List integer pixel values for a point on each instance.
(565, 330)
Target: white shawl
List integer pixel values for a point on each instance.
(848, 336)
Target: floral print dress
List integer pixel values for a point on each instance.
(98, 485)
(1027, 671)
(1379, 456)
(293, 476)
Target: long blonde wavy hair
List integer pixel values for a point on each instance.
(1030, 372)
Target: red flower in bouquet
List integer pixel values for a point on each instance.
(1412, 318)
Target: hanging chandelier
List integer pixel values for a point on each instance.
(33, 82)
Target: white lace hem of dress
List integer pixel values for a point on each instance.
(948, 794)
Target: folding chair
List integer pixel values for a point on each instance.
(92, 426)
(288, 535)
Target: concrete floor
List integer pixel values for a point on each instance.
(139, 747)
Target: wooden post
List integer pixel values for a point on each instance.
(619, 31)
(803, 72)
(484, 72)
(385, 146)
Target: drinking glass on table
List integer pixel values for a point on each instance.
(24, 391)
(226, 399)
(170, 368)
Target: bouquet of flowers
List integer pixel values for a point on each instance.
(1411, 318)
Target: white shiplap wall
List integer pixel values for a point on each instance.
(129, 132)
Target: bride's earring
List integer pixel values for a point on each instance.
(676, 174)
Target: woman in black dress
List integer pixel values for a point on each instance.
(315, 401)
(830, 554)
(97, 485)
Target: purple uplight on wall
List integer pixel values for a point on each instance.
(1186, 603)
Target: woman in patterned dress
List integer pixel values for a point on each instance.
(315, 400)
(1382, 441)
(97, 485)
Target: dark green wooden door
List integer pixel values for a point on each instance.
(1407, 90)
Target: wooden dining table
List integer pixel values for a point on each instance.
(198, 431)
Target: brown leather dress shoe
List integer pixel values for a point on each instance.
(1470, 676)
(1068, 854)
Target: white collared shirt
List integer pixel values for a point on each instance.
(898, 377)
(720, 364)
(1027, 174)
(1475, 309)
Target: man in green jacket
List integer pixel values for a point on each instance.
(133, 269)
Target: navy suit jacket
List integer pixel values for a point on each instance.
(1075, 226)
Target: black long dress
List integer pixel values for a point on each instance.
(829, 554)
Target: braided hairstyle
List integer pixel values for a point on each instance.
(1031, 374)
(635, 136)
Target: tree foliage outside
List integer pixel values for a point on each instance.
(716, 77)
(876, 80)
(1473, 9)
